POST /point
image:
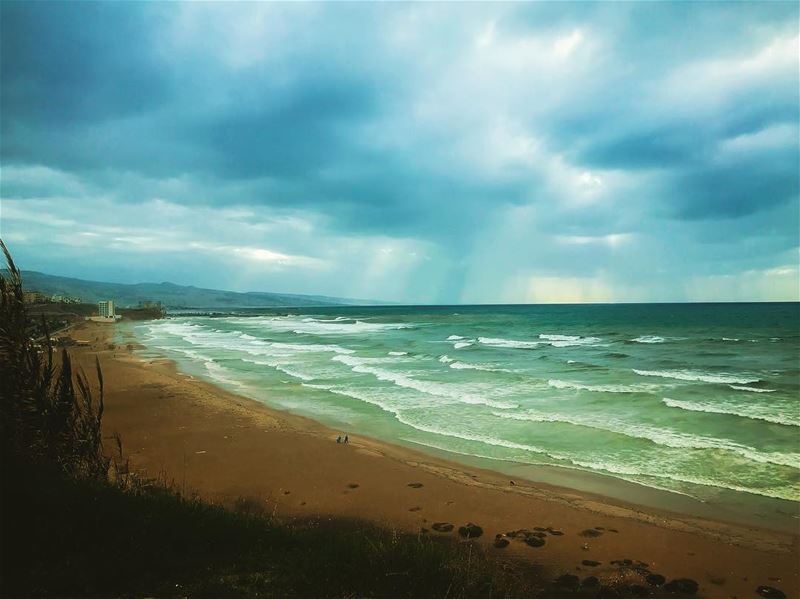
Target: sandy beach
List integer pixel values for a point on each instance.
(228, 447)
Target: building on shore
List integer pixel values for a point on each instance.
(106, 308)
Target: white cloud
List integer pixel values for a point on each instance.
(773, 284)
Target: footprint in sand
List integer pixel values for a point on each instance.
(590, 532)
(415, 485)
(353, 486)
(416, 508)
(442, 526)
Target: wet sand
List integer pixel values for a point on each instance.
(225, 447)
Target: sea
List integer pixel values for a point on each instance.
(697, 401)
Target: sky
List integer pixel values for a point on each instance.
(416, 153)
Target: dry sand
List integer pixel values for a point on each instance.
(225, 447)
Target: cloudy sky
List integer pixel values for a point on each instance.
(427, 153)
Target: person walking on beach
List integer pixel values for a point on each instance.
(339, 439)
(345, 439)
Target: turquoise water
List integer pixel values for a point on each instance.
(692, 399)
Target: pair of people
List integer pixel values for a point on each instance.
(340, 440)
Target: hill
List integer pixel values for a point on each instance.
(174, 296)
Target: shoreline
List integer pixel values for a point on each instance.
(175, 423)
(735, 507)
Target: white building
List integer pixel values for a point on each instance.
(106, 308)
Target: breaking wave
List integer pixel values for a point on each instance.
(753, 413)
(690, 375)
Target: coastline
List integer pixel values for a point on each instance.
(214, 441)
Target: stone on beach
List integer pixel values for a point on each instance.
(590, 562)
(535, 541)
(442, 526)
(770, 592)
(470, 531)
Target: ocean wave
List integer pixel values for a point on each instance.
(508, 343)
(337, 319)
(455, 338)
(237, 341)
(552, 340)
(369, 398)
(221, 374)
(752, 389)
(469, 366)
(445, 359)
(600, 466)
(633, 475)
(559, 384)
(649, 339)
(751, 412)
(362, 365)
(461, 344)
(485, 439)
(325, 327)
(662, 436)
(569, 340)
(310, 347)
(791, 494)
(690, 375)
(398, 353)
(281, 367)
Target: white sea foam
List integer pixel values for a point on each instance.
(690, 375)
(752, 389)
(661, 436)
(445, 359)
(486, 439)
(552, 340)
(625, 471)
(455, 338)
(398, 353)
(321, 327)
(221, 374)
(649, 339)
(637, 476)
(752, 411)
(508, 343)
(460, 344)
(597, 465)
(559, 384)
(470, 366)
(310, 347)
(569, 340)
(452, 392)
(277, 365)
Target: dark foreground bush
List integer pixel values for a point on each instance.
(68, 538)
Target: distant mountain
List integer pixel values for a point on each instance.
(174, 296)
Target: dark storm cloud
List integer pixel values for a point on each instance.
(430, 130)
